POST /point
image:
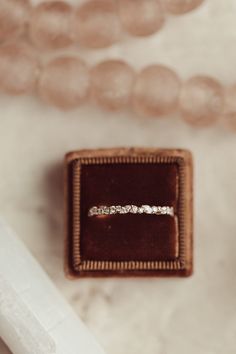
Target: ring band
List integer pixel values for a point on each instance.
(131, 209)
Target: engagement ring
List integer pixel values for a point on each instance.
(131, 209)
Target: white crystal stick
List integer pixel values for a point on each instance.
(34, 317)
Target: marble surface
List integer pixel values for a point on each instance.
(134, 316)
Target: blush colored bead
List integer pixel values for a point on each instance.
(64, 82)
(18, 69)
(13, 17)
(112, 83)
(141, 17)
(201, 100)
(179, 7)
(230, 108)
(97, 24)
(51, 25)
(156, 91)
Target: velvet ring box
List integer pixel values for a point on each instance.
(128, 244)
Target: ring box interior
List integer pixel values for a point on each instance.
(128, 244)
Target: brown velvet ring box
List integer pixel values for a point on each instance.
(129, 244)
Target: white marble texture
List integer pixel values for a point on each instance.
(136, 316)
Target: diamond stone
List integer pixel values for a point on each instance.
(124, 210)
(141, 210)
(134, 209)
(93, 211)
(118, 208)
(106, 210)
(127, 208)
(112, 209)
(147, 209)
(164, 210)
(154, 209)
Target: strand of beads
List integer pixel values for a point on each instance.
(156, 91)
(95, 24)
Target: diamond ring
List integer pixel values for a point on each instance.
(131, 209)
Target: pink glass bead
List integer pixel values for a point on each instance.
(141, 17)
(64, 82)
(13, 17)
(201, 100)
(97, 24)
(18, 69)
(112, 83)
(51, 25)
(179, 7)
(156, 91)
(230, 108)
